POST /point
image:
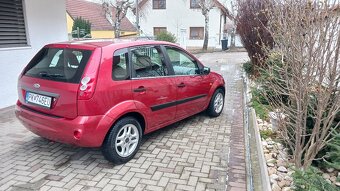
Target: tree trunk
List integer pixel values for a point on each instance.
(117, 29)
(206, 33)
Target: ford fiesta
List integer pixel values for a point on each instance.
(110, 93)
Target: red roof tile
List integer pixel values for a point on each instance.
(95, 14)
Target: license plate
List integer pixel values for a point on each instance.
(38, 99)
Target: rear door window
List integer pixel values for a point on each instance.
(148, 61)
(64, 65)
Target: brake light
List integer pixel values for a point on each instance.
(86, 88)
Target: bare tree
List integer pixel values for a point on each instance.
(120, 9)
(206, 6)
(303, 85)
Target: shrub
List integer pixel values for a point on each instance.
(251, 24)
(84, 28)
(248, 68)
(311, 179)
(166, 36)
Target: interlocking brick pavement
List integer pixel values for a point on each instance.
(198, 153)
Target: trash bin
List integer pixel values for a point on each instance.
(224, 43)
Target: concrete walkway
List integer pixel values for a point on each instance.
(198, 153)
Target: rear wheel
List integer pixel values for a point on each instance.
(216, 103)
(123, 141)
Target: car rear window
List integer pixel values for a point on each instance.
(64, 65)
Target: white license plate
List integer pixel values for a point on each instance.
(38, 99)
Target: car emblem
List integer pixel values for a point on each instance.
(36, 86)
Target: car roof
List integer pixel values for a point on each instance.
(100, 43)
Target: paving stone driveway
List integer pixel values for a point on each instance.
(198, 153)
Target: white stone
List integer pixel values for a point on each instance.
(276, 187)
(330, 170)
(286, 189)
(326, 176)
(337, 184)
(269, 147)
(274, 177)
(270, 164)
(282, 169)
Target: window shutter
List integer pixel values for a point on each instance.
(12, 24)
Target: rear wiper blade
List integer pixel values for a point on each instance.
(45, 74)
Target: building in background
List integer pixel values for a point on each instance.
(25, 27)
(93, 12)
(185, 20)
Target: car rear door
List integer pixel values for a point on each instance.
(50, 82)
(192, 87)
(153, 90)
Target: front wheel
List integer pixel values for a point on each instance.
(216, 103)
(123, 141)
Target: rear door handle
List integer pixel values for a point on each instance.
(181, 85)
(140, 89)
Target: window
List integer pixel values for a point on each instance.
(12, 24)
(157, 30)
(65, 65)
(194, 4)
(182, 63)
(159, 4)
(196, 33)
(148, 62)
(120, 65)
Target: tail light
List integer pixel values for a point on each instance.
(86, 88)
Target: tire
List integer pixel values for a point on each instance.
(216, 104)
(123, 141)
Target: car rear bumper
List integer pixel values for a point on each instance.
(91, 129)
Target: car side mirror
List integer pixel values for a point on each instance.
(205, 71)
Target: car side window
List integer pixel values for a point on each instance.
(181, 62)
(120, 65)
(148, 61)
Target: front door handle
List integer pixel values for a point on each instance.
(181, 85)
(140, 89)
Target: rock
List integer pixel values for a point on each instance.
(281, 162)
(274, 177)
(282, 183)
(268, 156)
(330, 170)
(265, 151)
(270, 164)
(282, 169)
(274, 155)
(286, 189)
(270, 147)
(264, 143)
(326, 176)
(271, 161)
(337, 184)
(272, 171)
(288, 178)
(276, 187)
(333, 179)
(270, 142)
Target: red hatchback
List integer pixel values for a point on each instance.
(109, 93)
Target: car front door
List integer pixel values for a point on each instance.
(192, 87)
(153, 90)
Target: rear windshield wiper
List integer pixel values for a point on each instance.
(45, 74)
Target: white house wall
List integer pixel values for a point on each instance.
(177, 16)
(45, 23)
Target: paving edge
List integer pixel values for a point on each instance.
(262, 162)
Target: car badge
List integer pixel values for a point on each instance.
(36, 86)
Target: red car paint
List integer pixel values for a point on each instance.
(84, 118)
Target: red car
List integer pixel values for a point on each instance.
(109, 93)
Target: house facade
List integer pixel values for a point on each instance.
(25, 27)
(184, 19)
(100, 24)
